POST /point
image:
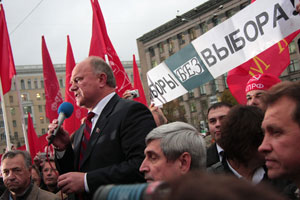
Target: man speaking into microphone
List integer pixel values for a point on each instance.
(108, 147)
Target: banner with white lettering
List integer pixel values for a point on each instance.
(226, 46)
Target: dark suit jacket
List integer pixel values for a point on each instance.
(116, 148)
(212, 155)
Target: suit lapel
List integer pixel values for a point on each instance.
(99, 127)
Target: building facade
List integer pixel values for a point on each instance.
(30, 83)
(157, 45)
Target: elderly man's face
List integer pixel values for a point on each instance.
(156, 166)
(281, 141)
(85, 84)
(255, 98)
(16, 176)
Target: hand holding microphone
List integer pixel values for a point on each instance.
(65, 110)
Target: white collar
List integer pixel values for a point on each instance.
(257, 176)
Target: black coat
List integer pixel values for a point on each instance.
(116, 148)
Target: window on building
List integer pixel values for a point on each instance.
(244, 5)
(11, 99)
(12, 111)
(13, 85)
(294, 66)
(203, 27)
(44, 97)
(38, 96)
(202, 89)
(160, 47)
(162, 58)
(193, 107)
(191, 94)
(61, 82)
(170, 45)
(180, 38)
(213, 86)
(230, 13)
(216, 85)
(225, 78)
(47, 120)
(27, 109)
(151, 51)
(1, 111)
(14, 123)
(192, 33)
(153, 63)
(40, 108)
(24, 97)
(42, 121)
(292, 47)
(35, 82)
(22, 84)
(42, 83)
(43, 131)
(216, 20)
(26, 121)
(29, 84)
(16, 135)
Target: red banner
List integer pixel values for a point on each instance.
(7, 65)
(101, 45)
(34, 145)
(52, 92)
(138, 84)
(72, 123)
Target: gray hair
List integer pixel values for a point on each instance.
(177, 138)
(14, 153)
(99, 65)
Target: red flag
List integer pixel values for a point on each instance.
(52, 92)
(34, 145)
(103, 45)
(72, 123)
(7, 65)
(138, 84)
(97, 46)
(272, 61)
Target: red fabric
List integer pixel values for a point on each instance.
(7, 65)
(52, 91)
(86, 135)
(72, 123)
(34, 145)
(272, 61)
(138, 84)
(261, 82)
(99, 42)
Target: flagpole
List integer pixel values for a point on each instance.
(22, 114)
(8, 143)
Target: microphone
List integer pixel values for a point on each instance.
(65, 110)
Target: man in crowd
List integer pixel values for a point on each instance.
(281, 126)
(215, 115)
(173, 150)
(16, 172)
(256, 88)
(50, 175)
(241, 136)
(108, 147)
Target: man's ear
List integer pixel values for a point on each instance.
(102, 79)
(185, 160)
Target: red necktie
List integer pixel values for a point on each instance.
(86, 135)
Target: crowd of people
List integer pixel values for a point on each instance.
(254, 154)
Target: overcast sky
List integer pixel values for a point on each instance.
(126, 20)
